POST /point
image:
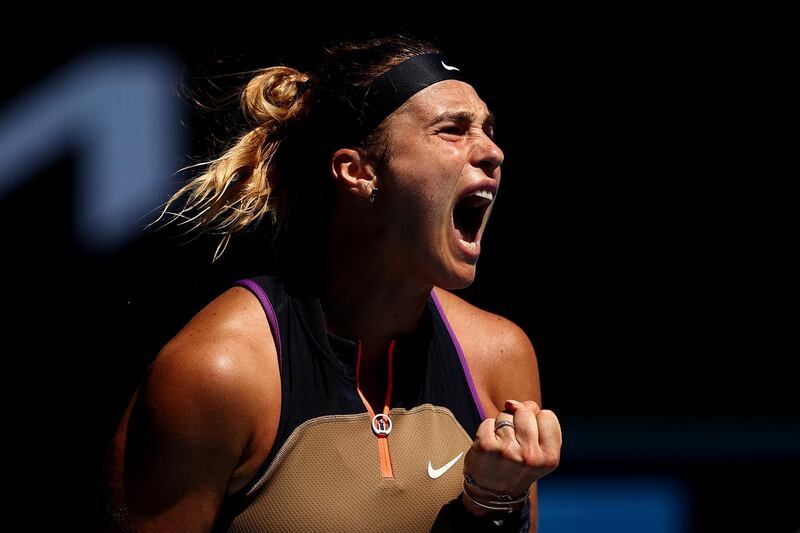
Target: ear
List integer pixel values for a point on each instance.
(352, 173)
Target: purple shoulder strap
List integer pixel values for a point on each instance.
(256, 289)
(464, 366)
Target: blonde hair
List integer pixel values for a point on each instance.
(238, 187)
(246, 182)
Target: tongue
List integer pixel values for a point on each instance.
(463, 234)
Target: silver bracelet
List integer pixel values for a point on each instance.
(504, 498)
(504, 502)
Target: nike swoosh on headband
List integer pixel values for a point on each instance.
(437, 472)
(389, 90)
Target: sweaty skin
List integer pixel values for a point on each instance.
(202, 406)
(389, 255)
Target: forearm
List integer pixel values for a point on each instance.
(463, 515)
(534, 520)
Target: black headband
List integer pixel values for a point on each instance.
(401, 82)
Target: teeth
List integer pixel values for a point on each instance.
(467, 244)
(484, 193)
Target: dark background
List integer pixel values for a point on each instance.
(642, 239)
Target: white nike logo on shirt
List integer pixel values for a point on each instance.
(448, 67)
(437, 472)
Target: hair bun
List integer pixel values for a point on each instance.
(272, 96)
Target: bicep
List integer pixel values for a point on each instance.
(171, 459)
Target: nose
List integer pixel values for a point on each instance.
(487, 155)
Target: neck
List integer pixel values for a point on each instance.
(369, 297)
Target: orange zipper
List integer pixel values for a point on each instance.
(381, 425)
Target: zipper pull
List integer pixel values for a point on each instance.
(381, 425)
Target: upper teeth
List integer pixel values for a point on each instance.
(483, 193)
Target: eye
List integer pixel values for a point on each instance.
(452, 130)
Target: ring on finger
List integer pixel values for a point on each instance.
(503, 423)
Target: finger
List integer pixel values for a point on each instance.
(530, 404)
(505, 431)
(533, 406)
(485, 437)
(549, 432)
(505, 414)
(526, 429)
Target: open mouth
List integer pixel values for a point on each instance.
(468, 217)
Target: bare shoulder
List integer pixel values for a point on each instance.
(235, 316)
(479, 326)
(224, 354)
(229, 348)
(466, 312)
(500, 354)
(198, 424)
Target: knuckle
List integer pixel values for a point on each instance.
(509, 452)
(547, 413)
(550, 461)
(486, 426)
(530, 460)
(482, 445)
(541, 460)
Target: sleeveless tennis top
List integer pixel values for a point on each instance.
(338, 463)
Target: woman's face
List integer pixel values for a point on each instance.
(440, 149)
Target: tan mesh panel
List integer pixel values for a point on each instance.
(327, 476)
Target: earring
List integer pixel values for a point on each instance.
(373, 195)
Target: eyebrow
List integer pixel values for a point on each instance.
(462, 116)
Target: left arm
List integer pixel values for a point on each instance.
(512, 373)
(504, 367)
(515, 376)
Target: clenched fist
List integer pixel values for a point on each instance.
(512, 451)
